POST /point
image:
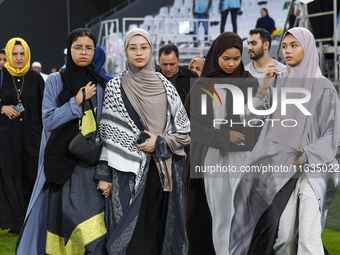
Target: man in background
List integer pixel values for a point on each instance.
(36, 66)
(179, 76)
(65, 59)
(259, 42)
(200, 10)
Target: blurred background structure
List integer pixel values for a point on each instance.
(46, 24)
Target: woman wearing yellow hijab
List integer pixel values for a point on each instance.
(21, 93)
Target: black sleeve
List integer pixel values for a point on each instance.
(257, 23)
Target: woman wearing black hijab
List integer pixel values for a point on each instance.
(209, 200)
(66, 211)
(266, 22)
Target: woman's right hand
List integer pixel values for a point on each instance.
(90, 91)
(236, 137)
(10, 112)
(105, 187)
(269, 76)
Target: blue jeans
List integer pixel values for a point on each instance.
(224, 16)
(205, 24)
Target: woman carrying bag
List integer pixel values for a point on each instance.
(66, 211)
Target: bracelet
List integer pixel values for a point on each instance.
(2, 110)
(261, 93)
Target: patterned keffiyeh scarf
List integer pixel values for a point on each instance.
(119, 132)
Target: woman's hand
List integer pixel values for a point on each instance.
(236, 137)
(268, 80)
(302, 161)
(106, 187)
(269, 76)
(150, 145)
(10, 112)
(90, 91)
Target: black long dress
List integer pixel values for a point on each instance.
(19, 146)
(154, 206)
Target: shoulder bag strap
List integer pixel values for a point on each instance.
(83, 108)
(94, 114)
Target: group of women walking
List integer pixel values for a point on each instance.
(137, 198)
(277, 212)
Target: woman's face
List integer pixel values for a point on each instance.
(263, 13)
(230, 60)
(292, 51)
(194, 67)
(138, 51)
(82, 51)
(3, 60)
(18, 56)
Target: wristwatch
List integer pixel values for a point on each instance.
(2, 110)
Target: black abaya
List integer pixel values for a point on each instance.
(19, 146)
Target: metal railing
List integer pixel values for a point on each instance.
(329, 49)
(163, 31)
(177, 31)
(110, 39)
(107, 27)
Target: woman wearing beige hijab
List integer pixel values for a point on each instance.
(146, 208)
(196, 65)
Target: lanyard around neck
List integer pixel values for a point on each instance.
(21, 89)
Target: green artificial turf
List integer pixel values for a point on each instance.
(7, 244)
(333, 217)
(330, 237)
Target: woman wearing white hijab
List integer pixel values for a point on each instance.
(285, 212)
(146, 208)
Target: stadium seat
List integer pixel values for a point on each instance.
(178, 3)
(164, 12)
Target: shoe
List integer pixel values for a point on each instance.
(12, 233)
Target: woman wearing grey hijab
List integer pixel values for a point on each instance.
(283, 211)
(146, 208)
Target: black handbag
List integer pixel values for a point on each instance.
(83, 147)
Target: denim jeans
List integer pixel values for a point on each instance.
(205, 25)
(224, 16)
